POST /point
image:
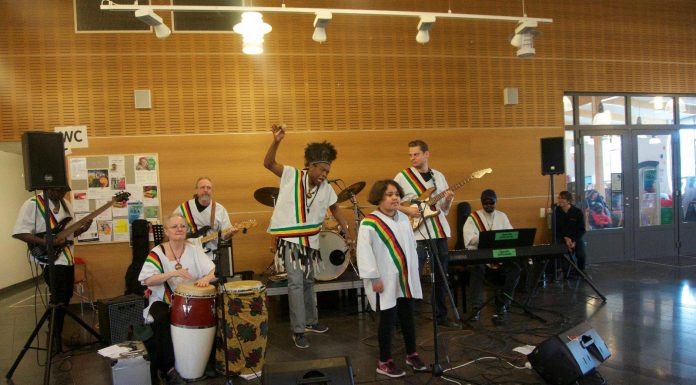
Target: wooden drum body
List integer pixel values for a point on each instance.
(193, 328)
(246, 329)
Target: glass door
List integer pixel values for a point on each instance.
(653, 195)
(686, 205)
(605, 194)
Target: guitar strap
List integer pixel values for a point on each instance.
(212, 215)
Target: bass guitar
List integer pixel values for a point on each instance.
(61, 232)
(430, 201)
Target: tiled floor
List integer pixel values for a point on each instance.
(648, 323)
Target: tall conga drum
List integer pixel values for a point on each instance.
(193, 328)
(245, 329)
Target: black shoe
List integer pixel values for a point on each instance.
(173, 378)
(477, 314)
(448, 324)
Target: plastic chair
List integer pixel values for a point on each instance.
(79, 284)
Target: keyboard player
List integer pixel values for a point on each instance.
(487, 219)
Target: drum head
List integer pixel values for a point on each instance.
(243, 286)
(334, 256)
(191, 290)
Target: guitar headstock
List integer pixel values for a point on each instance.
(121, 196)
(245, 225)
(480, 173)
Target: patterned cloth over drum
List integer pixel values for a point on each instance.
(246, 327)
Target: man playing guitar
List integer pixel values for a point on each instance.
(28, 227)
(204, 215)
(415, 180)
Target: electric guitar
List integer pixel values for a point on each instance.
(61, 232)
(430, 201)
(199, 237)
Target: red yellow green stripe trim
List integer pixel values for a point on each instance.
(477, 221)
(413, 180)
(42, 210)
(437, 227)
(296, 231)
(185, 209)
(154, 259)
(397, 253)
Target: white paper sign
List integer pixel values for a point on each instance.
(73, 136)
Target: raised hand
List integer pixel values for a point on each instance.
(278, 132)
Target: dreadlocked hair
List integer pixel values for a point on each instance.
(319, 152)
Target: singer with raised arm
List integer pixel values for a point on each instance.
(167, 266)
(204, 215)
(414, 181)
(304, 197)
(30, 227)
(388, 264)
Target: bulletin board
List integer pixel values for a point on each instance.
(95, 180)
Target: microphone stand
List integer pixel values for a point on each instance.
(432, 254)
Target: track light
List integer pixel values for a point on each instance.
(252, 28)
(152, 19)
(523, 39)
(320, 22)
(424, 26)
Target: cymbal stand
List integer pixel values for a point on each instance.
(359, 215)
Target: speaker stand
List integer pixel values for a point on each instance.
(50, 312)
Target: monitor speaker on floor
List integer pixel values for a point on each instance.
(333, 371)
(120, 317)
(570, 356)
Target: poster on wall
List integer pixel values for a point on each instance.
(95, 180)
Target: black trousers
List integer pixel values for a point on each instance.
(61, 292)
(511, 271)
(404, 309)
(163, 354)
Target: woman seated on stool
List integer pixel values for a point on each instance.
(168, 265)
(388, 264)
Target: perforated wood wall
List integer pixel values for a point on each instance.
(370, 89)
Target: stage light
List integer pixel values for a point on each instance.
(424, 26)
(320, 22)
(152, 19)
(252, 28)
(523, 39)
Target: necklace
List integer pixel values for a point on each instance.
(310, 194)
(56, 209)
(392, 217)
(489, 222)
(178, 259)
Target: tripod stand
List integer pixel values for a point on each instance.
(50, 312)
(433, 255)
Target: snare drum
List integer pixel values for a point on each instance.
(334, 256)
(193, 328)
(246, 325)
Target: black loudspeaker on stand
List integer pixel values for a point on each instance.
(44, 160)
(570, 356)
(552, 156)
(334, 371)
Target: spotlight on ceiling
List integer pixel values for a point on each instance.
(252, 28)
(424, 26)
(320, 22)
(152, 19)
(523, 39)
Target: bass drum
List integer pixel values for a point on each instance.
(334, 256)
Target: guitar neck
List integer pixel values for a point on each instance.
(238, 226)
(73, 227)
(455, 187)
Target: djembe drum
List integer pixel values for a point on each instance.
(245, 329)
(193, 328)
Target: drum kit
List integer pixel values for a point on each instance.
(336, 253)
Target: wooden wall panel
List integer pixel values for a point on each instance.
(234, 162)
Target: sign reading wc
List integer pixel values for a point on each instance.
(73, 136)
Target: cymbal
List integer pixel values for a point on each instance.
(267, 195)
(355, 188)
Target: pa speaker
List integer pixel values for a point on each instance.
(567, 357)
(333, 371)
(44, 160)
(119, 317)
(552, 159)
